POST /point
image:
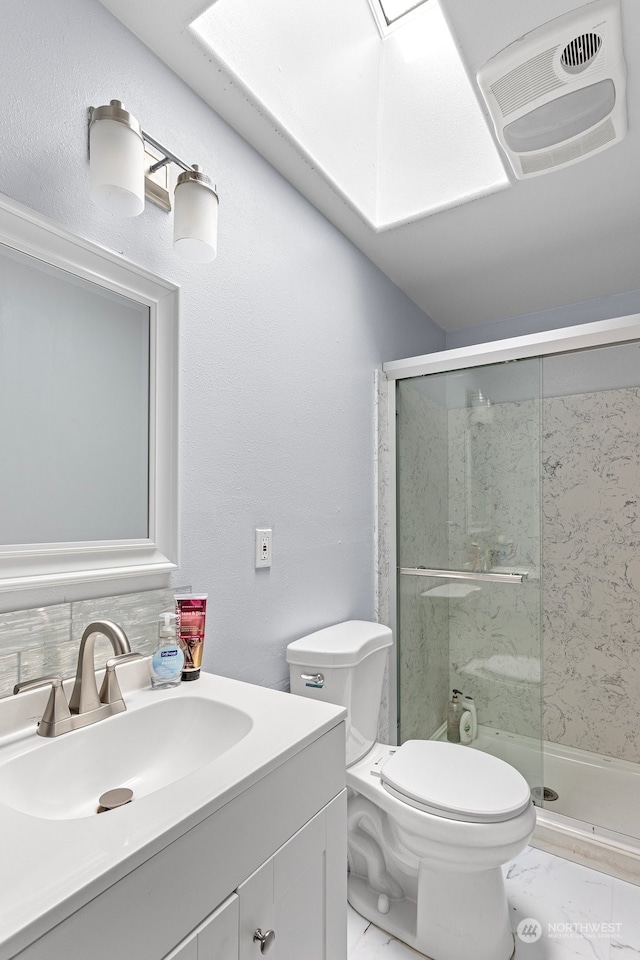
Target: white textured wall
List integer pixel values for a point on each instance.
(279, 338)
(587, 311)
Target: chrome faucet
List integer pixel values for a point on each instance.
(86, 705)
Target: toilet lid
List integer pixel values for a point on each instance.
(456, 782)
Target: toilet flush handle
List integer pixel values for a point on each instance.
(313, 679)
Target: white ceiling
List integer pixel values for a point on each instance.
(385, 133)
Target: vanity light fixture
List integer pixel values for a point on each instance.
(120, 177)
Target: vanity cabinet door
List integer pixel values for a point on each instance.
(216, 938)
(187, 950)
(300, 894)
(218, 935)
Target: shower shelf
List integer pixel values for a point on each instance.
(464, 575)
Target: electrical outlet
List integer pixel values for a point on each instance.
(263, 547)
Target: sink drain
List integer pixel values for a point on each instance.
(114, 798)
(540, 794)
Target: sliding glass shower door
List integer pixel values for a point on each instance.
(469, 533)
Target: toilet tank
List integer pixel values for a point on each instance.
(344, 664)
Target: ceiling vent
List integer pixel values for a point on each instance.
(558, 94)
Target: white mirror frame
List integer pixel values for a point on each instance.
(47, 564)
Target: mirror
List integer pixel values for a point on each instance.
(88, 409)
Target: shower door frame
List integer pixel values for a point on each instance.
(599, 333)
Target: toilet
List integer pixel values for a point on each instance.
(430, 824)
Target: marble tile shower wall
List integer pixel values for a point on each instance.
(592, 571)
(45, 640)
(494, 492)
(589, 600)
(422, 539)
(494, 484)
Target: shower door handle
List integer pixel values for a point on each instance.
(464, 575)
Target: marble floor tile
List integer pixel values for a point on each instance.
(375, 944)
(625, 940)
(570, 904)
(356, 926)
(564, 911)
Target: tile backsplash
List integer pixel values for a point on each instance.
(44, 641)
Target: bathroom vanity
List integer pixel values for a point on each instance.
(244, 835)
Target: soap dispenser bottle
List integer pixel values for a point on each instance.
(168, 660)
(468, 704)
(465, 727)
(454, 716)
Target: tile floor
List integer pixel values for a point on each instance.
(581, 914)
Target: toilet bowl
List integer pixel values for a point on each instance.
(430, 824)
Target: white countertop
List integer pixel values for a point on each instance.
(51, 867)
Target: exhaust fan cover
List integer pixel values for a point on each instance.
(558, 94)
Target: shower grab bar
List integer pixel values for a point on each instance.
(464, 575)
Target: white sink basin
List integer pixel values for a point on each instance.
(144, 749)
(190, 755)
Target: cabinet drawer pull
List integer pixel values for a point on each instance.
(265, 939)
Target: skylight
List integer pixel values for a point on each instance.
(385, 113)
(394, 9)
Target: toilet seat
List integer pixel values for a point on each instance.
(455, 782)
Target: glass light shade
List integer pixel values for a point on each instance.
(116, 175)
(195, 220)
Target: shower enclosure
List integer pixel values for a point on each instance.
(515, 545)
